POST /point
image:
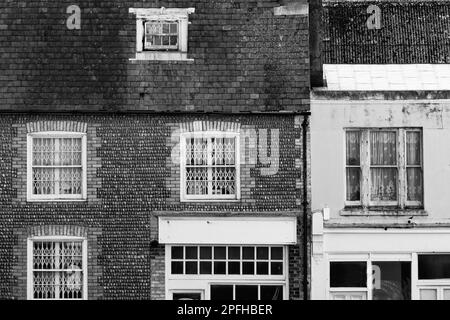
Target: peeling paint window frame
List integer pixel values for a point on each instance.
(178, 15)
(365, 181)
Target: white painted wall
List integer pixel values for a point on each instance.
(329, 118)
(228, 230)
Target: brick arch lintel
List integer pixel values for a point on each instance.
(59, 125)
(57, 230)
(198, 126)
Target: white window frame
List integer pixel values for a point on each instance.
(437, 284)
(56, 197)
(365, 166)
(201, 292)
(226, 260)
(198, 282)
(172, 14)
(207, 135)
(30, 242)
(368, 258)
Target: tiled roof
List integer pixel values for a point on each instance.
(411, 32)
(387, 76)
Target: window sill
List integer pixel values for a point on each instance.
(210, 200)
(57, 200)
(161, 56)
(382, 211)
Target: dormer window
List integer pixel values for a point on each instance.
(161, 34)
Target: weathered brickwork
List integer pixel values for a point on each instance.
(246, 59)
(132, 191)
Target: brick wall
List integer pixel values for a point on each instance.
(130, 152)
(245, 58)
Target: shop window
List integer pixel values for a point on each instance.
(348, 274)
(389, 280)
(246, 292)
(227, 260)
(434, 266)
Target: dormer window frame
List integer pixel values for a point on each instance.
(144, 16)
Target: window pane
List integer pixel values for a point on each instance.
(191, 267)
(205, 252)
(248, 253)
(205, 267)
(413, 148)
(219, 252)
(262, 253)
(173, 40)
(383, 148)
(446, 294)
(221, 292)
(234, 253)
(414, 184)
(271, 293)
(434, 266)
(352, 147)
(177, 253)
(248, 268)
(276, 268)
(165, 40)
(173, 28)
(276, 253)
(246, 292)
(262, 268)
(166, 28)
(191, 252)
(383, 184)
(348, 274)
(196, 181)
(428, 294)
(219, 267)
(177, 267)
(224, 180)
(156, 40)
(392, 280)
(234, 268)
(196, 151)
(353, 184)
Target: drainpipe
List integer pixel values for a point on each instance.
(315, 43)
(305, 204)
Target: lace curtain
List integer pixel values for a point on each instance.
(413, 166)
(383, 171)
(57, 166)
(353, 170)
